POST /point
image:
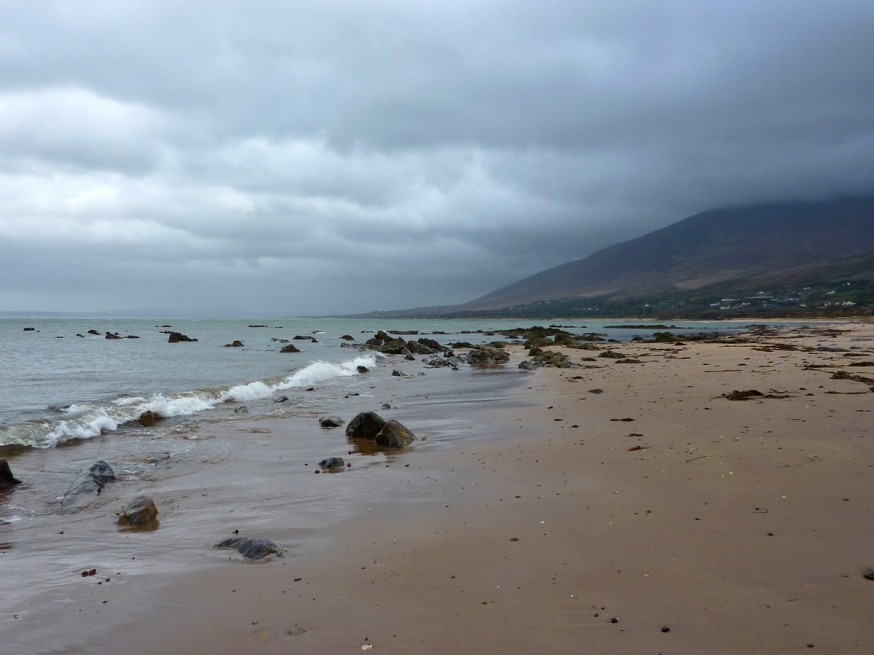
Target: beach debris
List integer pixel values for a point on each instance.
(7, 480)
(623, 420)
(365, 425)
(328, 422)
(254, 549)
(290, 348)
(149, 418)
(633, 448)
(178, 337)
(745, 394)
(333, 464)
(139, 511)
(88, 481)
(89, 572)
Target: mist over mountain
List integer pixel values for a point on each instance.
(735, 249)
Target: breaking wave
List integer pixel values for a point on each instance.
(85, 421)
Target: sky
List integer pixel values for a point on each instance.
(279, 158)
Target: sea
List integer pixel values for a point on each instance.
(235, 449)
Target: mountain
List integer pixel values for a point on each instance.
(824, 248)
(738, 248)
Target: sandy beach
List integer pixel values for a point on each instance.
(610, 508)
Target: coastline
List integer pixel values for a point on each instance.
(738, 526)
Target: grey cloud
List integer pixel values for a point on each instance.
(340, 156)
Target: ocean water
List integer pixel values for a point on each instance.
(61, 384)
(227, 457)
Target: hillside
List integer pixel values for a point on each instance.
(727, 247)
(780, 251)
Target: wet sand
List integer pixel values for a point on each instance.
(656, 516)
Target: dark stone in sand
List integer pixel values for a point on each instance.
(112, 335)
(443, 362)
(596, 391)
(178, 337)
(362, 369)
(89, 481)
(281, 399)
(7, 480)
(139, 511)
(394, 435)
(333, 464)
(235, 344)
(398, 374)
(149, 418)
(365, 425)
(251, 548)
(331, 421)
(95, 332)
(290, 348)
(868, 574)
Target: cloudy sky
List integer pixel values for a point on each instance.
(334, 156)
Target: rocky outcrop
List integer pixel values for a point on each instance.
(88, 485)
(290, 348)
(7, 480)
(251, 548)
(141, 510)
(394, 435)
(487, 357)
(178, 337)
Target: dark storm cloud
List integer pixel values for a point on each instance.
(340, 156)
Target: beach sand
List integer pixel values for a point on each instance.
(654, 516)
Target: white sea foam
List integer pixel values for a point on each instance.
(87, 421)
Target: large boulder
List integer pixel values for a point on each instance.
(139, 511)
(251, 548)
(7, 480)
(365, 425)
(394, 435)
(88, 485)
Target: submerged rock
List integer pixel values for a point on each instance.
(290, 348)
(139, 511)
(149, 418)
(251, 548)
(89, 481)
(7, 480)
